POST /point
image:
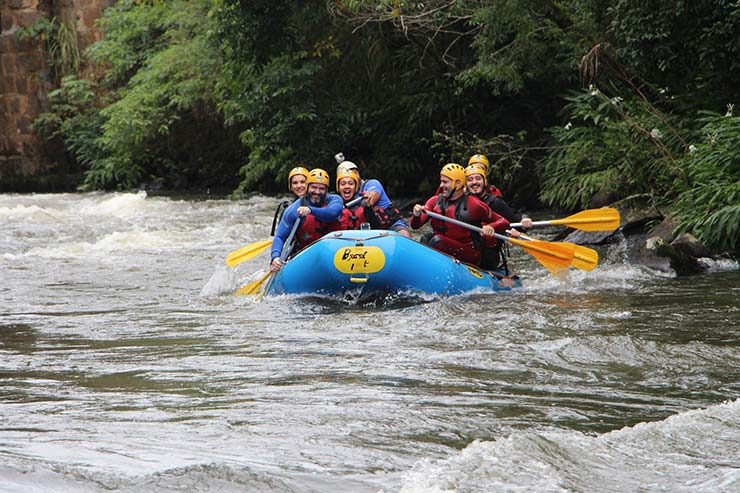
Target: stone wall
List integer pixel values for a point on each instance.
(25, 81)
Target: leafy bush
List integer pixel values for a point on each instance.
(710, 206)
(610, 145)
(134, 31)
(75, 118)
(60, 42)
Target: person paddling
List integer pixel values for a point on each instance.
(376, 198)
(297, 178)
(477, 185)
(453, 202)
(320, 212)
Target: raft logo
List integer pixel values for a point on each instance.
(359, 260)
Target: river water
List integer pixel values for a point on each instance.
(124, 367)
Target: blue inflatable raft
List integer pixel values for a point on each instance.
(378, 262)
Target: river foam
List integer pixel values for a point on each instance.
(698, 450)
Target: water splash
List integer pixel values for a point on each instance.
(698, 450)
(222, 281)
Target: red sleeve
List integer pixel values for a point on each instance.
(418, 222)
(499, 223)
(485, 215)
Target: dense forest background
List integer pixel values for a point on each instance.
(576, 102)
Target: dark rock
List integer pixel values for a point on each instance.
(637, 213)
(689, 245)
(665, 230)
(590, 238)
(681, 262)
(641, 250)
(603, 198)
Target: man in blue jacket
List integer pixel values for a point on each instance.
(318, 211)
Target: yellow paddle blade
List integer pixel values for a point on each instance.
(592, 220)
(556, 257)
(585, 258)
(253, 287)
(247, 252)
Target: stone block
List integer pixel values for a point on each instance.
(688, 244)
(30, 62)
(28, 17)
(665, 230)
(22, 85)
(26, 44)
(7, 63)
(13, 104)
(89, 17)
(24, 125)
(7, 21)
(7, 44)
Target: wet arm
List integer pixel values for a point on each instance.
(332, 211)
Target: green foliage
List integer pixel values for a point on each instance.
(710, 206)
(688, 46)
(60, 43)
(273, 86)
(134, 31)
(524, 42)
(166, 90)
(163, 125)
(74, 117)
(612, 146)
(236, 92)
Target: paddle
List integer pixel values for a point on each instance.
(606, 219)
(247, 252)
(584, 258)
(254, 287)
(556, 257)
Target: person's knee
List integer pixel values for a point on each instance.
(435, 241)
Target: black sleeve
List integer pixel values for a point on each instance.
(500, 207)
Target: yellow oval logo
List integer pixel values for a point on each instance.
(359, 260)
(475, 272)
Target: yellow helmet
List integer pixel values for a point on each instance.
(477, 169)
(298, 170)
(318, 175)
(348, 173)
(454, 172)
(480, 159)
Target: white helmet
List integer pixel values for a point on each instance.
(346, 165)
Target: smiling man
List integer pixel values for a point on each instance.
(452, 201)
(318, 211)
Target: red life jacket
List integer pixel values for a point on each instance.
(460, 210)
(353, 218)
(376, 216)
(495, 191)
(380, 218)
(311, 229)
